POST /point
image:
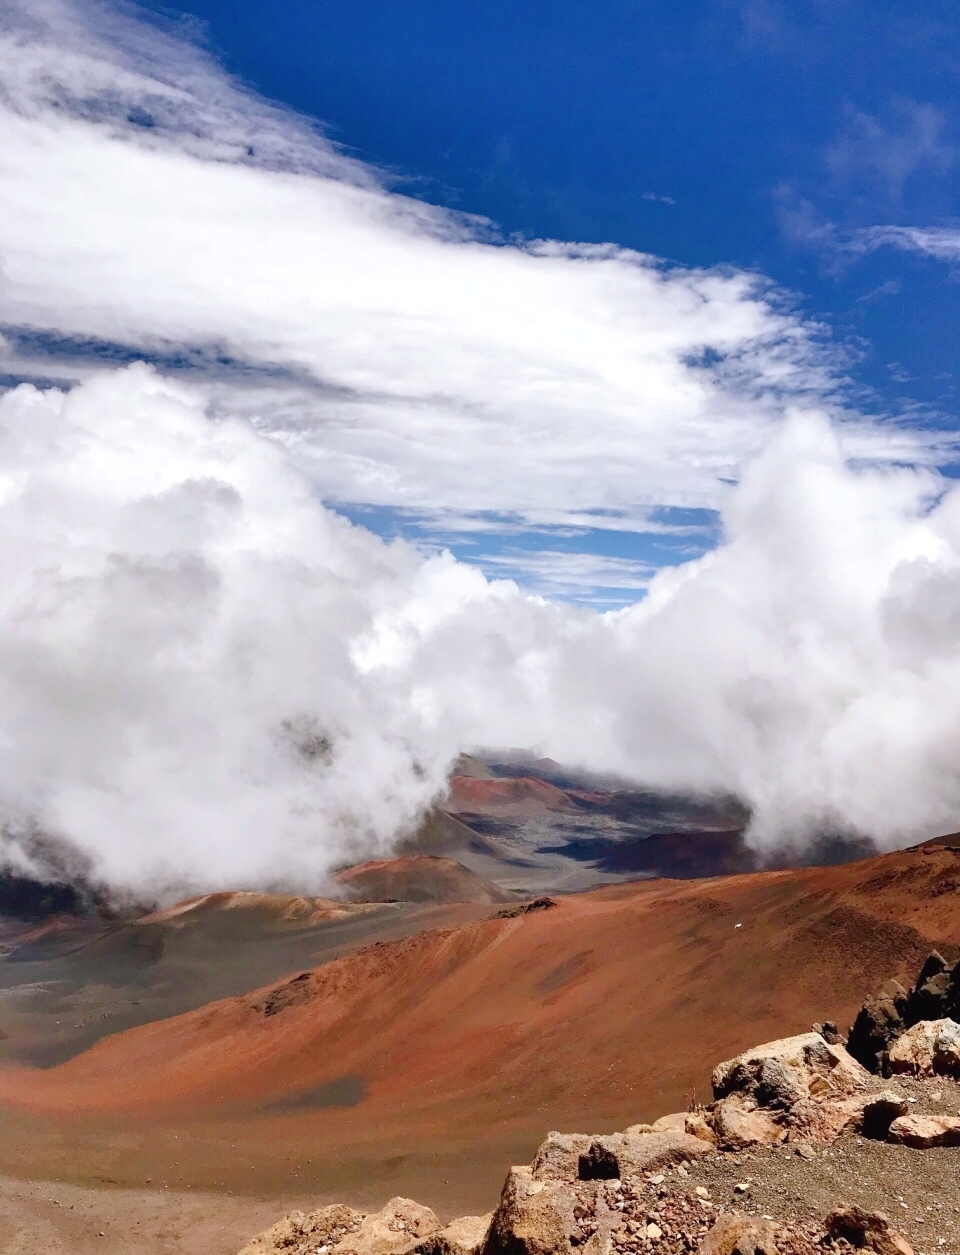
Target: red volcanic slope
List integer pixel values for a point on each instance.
(418, 878)
(608, 1008)
(521, 797)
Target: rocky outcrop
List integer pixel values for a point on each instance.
(299, 1234)
(870, 1230)
(798, 1087)
(631, 1193)
(402, 1227)
(535, 1217)
(460, 1237)
(879, 1022)
(892, 1011)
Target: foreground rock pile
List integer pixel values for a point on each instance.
(793, 1118)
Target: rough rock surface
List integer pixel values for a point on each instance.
(879, 1022)
(922, 1132)
(461, 1237)
(535, 1217)
(298, 1234)
(872, 1230)
(629, 1154)
(781, 1072)
(795, 1087)
(396, 1229)
(892, 1010)
(738, 1122)
(737, 1234)
(929, 1048)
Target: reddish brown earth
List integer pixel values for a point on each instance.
(515, 797)
(425, 1064)
(418, 878)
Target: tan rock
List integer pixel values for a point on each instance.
(558, 1157)
(780, 1072)
(739, 1123)
(639, 1128)
(922, 1132)
(823, 1120)
(677, 1122)
(631, 1154)
(534, 1217)
(735, 1233)
(464, 1236)
(696, 1125)
(396, 1229)
(867, 1229)
(300, 1234)
(929, 1048)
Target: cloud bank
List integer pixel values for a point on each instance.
(209, 678)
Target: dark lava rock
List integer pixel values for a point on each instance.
(879, 1022)
(931, 997)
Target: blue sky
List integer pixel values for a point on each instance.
(577, 293)
(788, 144)
(759, 134)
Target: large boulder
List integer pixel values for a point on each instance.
(631, 1154)
(870, 1230)
(534, 1217)
(930, 1048)
(735, 1233)
(922, 1132)
(779, 1073)
(803, 1087)
(397, 1229)
(558, 1156)
(879, 1022)
(304, 1234)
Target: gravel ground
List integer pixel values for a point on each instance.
(795, 1186)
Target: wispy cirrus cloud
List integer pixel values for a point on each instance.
(155, 209)
(875, 157)
(941, 243)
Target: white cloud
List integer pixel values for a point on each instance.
(942, 243)
(151, 203)
(870, 153)
(208, 679)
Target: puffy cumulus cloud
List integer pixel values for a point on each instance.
(209, 679)
(809, 664)
(177, 690)
(152, 206)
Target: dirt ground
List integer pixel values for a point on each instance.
(426, 1066)
(53, 1218)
